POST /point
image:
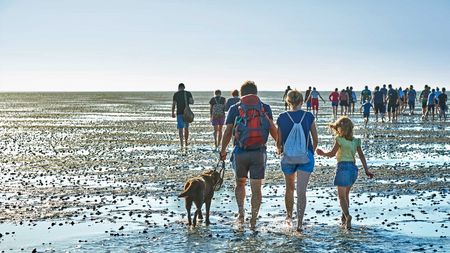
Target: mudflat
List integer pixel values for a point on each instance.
(84, 172)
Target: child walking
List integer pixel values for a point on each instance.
(345, 148)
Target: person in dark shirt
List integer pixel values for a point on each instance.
(442, 102)
(233, 100)
(411, 99)
(378, 102)
(284, 97)
(308, 99)
(217, 115)
(179, 102)
(392, 103)
(384, 91)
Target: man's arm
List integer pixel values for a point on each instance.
(273, 130)
(225, 141)
(173, 108)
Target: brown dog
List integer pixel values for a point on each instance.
(200, 190)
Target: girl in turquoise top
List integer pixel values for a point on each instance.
(345, 148)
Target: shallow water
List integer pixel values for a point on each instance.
(90, 172)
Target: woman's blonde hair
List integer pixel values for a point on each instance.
(294, 98)
(343, 127)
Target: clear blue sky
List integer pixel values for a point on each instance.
(153, 45)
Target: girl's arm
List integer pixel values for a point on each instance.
(363, 161)
(279, 142)
(332, 152)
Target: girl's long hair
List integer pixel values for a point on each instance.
(343, 127)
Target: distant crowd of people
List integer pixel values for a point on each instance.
(395, 101)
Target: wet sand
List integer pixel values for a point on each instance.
(83, 172)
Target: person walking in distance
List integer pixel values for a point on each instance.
(284, 97)
(343, 98)
(315, 95)
(334, 98)
(412, 94)
(233, 100)
(378, 102)
(251, 122)
(442, 103)
(181, 99)
(354, 99)
(431, 104)
(392, 103)
(217, 115)
(424, 99)
(308, 98)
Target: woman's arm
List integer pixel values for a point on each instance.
(363, 161)
(315, 138)
(331, 153)
(279, 142)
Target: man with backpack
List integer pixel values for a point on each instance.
(217, 115)
(392, 103)
(181, 100)
(250, 121)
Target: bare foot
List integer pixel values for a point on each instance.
(288, 221)
(253, 223)
(343, 220)
(348, 222)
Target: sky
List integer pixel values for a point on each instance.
(146, 45)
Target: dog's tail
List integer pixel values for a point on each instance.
(188, 188)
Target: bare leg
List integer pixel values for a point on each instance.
(180, 133)
(220, 134)
(215, 136)
(255, 201)
(240, 197)
(302, 184)
(186, 136)
(289, 195)
(344, 202)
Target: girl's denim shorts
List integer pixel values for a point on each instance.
(346, 174)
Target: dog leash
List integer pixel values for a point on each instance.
(221, 174)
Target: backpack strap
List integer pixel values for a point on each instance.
(185, 98)
(304, 114)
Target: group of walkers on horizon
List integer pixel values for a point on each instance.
(396, 101)
(249, 122)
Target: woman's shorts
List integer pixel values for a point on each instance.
(288, 169)
(346, 174)
(335, 103)
(218, 121)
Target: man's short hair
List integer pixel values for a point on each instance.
(249, 87)
(217, 93)
(181, 85)
(235, 93)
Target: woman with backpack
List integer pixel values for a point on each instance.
(217, 115)
(294, 143)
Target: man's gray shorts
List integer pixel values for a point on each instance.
(250, 161)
